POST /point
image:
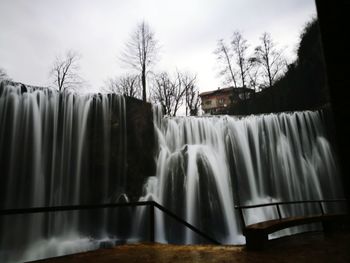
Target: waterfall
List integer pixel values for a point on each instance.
(56, 149)
(206, 165)
(69, 149)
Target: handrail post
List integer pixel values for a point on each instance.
(321, 207)
(151, 222)
(242, 217)
(279, 211)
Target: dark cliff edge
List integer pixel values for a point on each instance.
(130, 158)
(141, 145)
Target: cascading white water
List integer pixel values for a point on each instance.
(206, 165)
(50, 146)
(65, 149)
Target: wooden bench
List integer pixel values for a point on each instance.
(257, 234)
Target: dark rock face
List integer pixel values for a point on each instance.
(141, 145)
(107, 166)
(130, 157)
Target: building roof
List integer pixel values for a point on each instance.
(218, 91)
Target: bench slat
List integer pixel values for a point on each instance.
(271, 226)
(257, 234)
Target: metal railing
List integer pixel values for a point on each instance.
(278, 204)
(150, 204)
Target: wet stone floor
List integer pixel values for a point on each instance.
(307, 247)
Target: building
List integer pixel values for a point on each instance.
(219, 101)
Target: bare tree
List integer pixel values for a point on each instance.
(239, 47)
(169, 92)
(162, 92)
(127, 85)
(254, 74)
(192, 99)
(270, 58)
(3, 74)
(141, 52)
(65, 71)
(224, 56)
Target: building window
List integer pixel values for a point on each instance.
(208, 102)
(221, 101)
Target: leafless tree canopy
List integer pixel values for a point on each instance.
(3, 74)
(271, 60)
(256, 70)
(254, 74)
(225, 58)
(169, 91)
(161, 92)
(65, 71)
(127, 85)
(240, 46)
(192, 93)
(141, 52)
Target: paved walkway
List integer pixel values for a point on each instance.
(308, 247)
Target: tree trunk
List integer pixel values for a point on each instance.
(144, 98)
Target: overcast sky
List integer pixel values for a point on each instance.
(33, 32)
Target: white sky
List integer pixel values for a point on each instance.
(33, 32)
